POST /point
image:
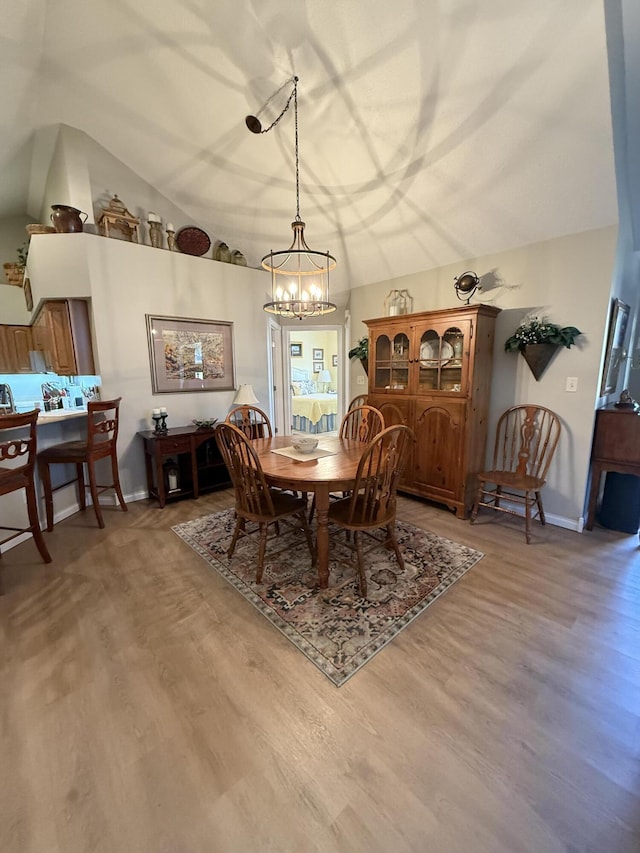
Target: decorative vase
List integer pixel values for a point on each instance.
(67, 220)
(538, 357)
(223, 253)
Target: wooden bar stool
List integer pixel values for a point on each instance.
(102, 435)
(14, 477)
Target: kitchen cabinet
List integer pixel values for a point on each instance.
(16, 342)
(435, 367)
(62, 333)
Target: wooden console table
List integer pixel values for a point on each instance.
(616, 447)
(200, 465)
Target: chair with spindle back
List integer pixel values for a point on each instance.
(526, 439)
(253, 422)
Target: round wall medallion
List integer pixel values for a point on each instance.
(193, 241)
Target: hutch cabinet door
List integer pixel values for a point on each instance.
(440, 353)
(439, 430)
(389, 359)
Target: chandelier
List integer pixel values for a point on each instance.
(299, 274)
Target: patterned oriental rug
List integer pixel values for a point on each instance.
(335, 628)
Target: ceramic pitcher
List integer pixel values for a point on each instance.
(66, 220)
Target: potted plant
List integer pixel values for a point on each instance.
(361, 351)
(538, 340)
(13, 270)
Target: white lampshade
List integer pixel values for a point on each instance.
(324, 376)
(245, 396)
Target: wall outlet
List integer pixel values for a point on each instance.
(359, 380)
(572, 383)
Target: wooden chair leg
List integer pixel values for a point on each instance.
(116, 483)
(543, 520)
(236, 532)
(527, 516)
(362, 577)
(82, 493)
(34, 522)
(391, 533)
(93, 488)
(261, 552)
(45, 479)
(476, 503)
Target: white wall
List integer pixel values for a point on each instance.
(568, 280)
(125, 282)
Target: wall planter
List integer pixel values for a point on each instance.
(538, 357)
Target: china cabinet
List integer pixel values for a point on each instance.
(435, 368)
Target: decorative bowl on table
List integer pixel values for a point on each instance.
(304, 443)
(205, 423)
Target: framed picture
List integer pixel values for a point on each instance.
(190, 355)
(334, 360)
(318, 354)
(318, 366)
(296, 350)
(615, 352)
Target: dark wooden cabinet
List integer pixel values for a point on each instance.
(196, 457)
(616, 447)
(435, 367)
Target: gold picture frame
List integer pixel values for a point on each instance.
(615, 352)
(188, 354)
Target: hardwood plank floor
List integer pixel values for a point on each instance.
(147, 707)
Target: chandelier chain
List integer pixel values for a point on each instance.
(293, 80)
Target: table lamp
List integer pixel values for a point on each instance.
(325, 377)
(245, 396)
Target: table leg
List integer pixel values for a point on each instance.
(157, 458)
(322, 537)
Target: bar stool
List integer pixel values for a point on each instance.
(102, 435)
(14, 477)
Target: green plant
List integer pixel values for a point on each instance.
(361, 349)
(22, 253)
(540, 331)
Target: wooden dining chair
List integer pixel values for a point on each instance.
(18, 448)
(360, 400)
(257, 503)
(371, 506)
(359, 424)
(100, 443)
(253, 422)
(526, 439)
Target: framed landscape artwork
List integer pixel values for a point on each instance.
(190, 355)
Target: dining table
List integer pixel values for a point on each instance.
(334, 471)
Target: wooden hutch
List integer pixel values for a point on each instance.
(435, 367)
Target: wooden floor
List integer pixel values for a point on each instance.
(146, 707)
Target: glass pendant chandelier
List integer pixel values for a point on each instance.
(299, 274)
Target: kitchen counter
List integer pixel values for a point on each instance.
(60, 415)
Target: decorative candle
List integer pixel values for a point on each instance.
(170, 226)
(163, 410)
(153, 217)
(156, 411)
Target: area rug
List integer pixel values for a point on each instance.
(337, 629)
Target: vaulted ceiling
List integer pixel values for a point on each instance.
(430, 132)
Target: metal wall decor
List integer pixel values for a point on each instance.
(398, 302)
(466, 284)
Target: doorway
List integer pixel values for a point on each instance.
(313, 379)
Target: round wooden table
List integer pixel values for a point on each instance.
(335, 473)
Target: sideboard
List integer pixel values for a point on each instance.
(200, 467)
(616, 447)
